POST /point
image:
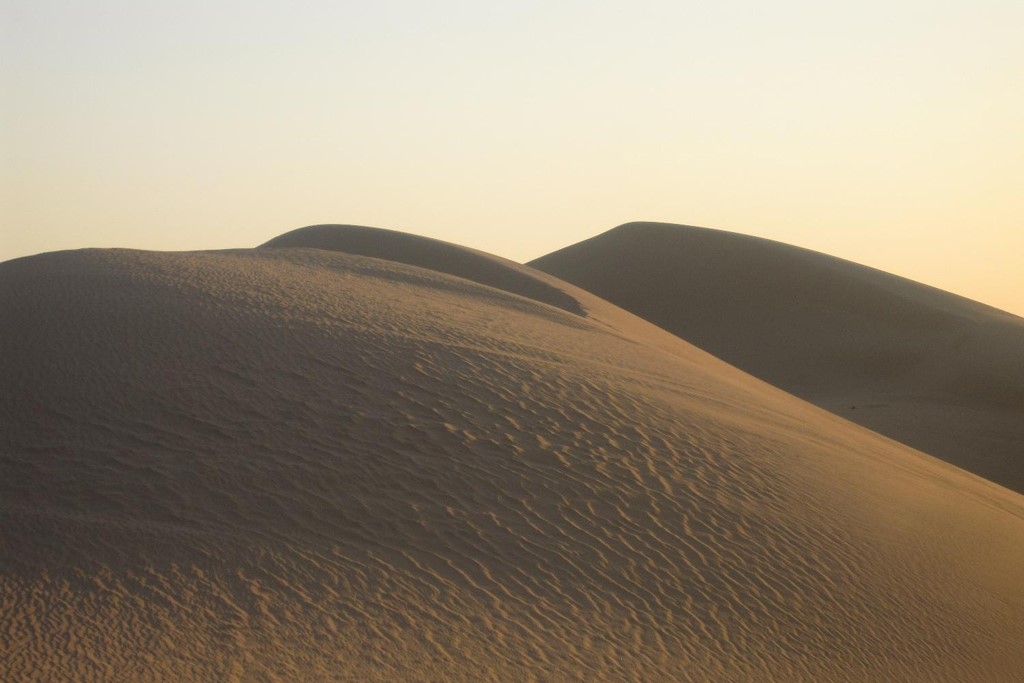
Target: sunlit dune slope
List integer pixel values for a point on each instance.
(939, 372)
(301, 464)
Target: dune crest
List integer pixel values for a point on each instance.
(303, 464)
(925, 367)
(424, 252)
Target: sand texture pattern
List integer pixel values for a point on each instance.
(290, 464)
(933, 370)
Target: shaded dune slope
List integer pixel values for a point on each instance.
(298, 464)
(936, 371)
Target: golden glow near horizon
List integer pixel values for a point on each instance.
(886, 133)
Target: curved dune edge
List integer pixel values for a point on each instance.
(431, 254)
(933, 370)
(300, 464)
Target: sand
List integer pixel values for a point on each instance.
(933, 370)
(292, 463)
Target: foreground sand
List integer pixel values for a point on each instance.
(925, 367)
(298, 464)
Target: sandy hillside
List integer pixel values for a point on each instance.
(939, 372)
(301, 464)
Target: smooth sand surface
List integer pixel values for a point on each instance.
(933, 370)
(302, 464)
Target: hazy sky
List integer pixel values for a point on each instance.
(887, 132)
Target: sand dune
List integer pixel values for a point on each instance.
(304, 464)
(925, 367)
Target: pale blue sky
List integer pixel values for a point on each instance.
(888, 133)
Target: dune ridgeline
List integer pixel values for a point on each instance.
(359, 455)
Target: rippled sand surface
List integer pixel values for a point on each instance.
(300, 464)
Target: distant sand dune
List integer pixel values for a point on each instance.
(936, 371)
(301, 464)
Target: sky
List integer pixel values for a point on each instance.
(885, 132)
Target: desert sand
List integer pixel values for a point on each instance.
(419, 462)
(930, 369)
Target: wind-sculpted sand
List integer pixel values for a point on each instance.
(925, 367)
(301, 464)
